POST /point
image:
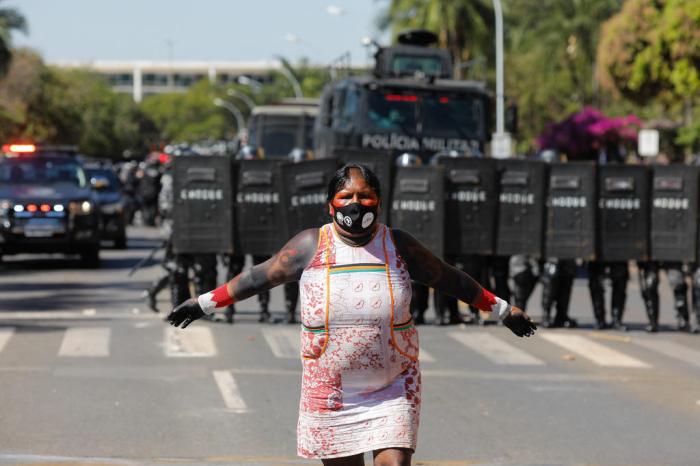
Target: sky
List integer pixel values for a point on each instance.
(235, 30)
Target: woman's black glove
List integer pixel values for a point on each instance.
(185, 313)
(519, 323)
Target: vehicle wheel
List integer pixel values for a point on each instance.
(91, 257)
(120, 242)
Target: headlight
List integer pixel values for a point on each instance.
(80, 208)
(114, 208)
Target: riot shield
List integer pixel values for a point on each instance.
(623, 212)
(521, 207)
(571, 211)
(471, 201)
(259, 209)
(382, 164)
(305, 188)
(674, 213)
(202, 205)
(418, 207)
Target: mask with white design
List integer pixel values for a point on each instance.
(355, 217)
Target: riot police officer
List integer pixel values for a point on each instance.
(149, 186)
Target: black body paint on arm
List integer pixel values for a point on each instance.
(425, 267)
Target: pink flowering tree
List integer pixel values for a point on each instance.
(582, 135)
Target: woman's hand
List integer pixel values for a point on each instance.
(519, 323)
(185, 313)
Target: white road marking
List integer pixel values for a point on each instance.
(495, 350)
(424, 356)
(192, 342)
(74, 315)
(229, 391)
(85, 342)
(671, 349)
(5, 335)
(594, 352)
(283, 342)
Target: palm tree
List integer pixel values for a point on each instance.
(464, 27)
(10, 20)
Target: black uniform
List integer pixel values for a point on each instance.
(649, 286)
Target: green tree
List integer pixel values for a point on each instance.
(464, 27)
(650, 53)
(10, 20)
(550, 60)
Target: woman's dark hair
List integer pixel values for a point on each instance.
(342, 176)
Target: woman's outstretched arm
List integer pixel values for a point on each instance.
(285, 266)
(425, 267)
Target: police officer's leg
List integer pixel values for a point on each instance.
(550, 286)
(596, 276)
(567, 274)
(159, 284)
(234, 266)
(264, 297)
(179, 280)
(499, 270)
(446, 307)
(649, 287)
(205, 275)
(475, 266)
(620, 275)
(419, 302)
(680, 294)
(291, 297)
(695, 286)
(524, 279)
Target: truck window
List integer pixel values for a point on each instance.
(392, 112)
(453, 115)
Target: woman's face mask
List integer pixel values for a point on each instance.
(355, 208)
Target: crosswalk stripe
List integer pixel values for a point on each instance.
(284, 342)
(192, 342)
(85, 342)
(229, 391)
(5, 335)
(594, 352)
(424, 356)
(495, 350)
(671, 349)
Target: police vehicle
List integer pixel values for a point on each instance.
(410, 103)
(46, 203)
(108, 189)
(275, 130)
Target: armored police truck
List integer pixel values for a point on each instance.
(275, 130)
(410, 103)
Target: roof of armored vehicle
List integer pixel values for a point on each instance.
(286, 110)
(422, 84)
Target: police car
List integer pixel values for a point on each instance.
(46, 203)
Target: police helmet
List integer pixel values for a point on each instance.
(408, 160)
(297, 155)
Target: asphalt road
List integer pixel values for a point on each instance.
(89, 375)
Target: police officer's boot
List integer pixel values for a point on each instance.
(696, 299)
(291, 296)
(652, 308)
(549, 288)
(419, 303)
(681, 305)
(524, 284)
(595, 286)
(179, 284)
(562, 305)
(264, 300)
(228, 314)
(619, 296)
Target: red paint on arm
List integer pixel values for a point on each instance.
(221, 296)
(486, 300)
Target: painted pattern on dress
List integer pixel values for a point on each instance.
(359, 392)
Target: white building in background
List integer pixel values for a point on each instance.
(141, 78)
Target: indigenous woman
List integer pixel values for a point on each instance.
(361, 384)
